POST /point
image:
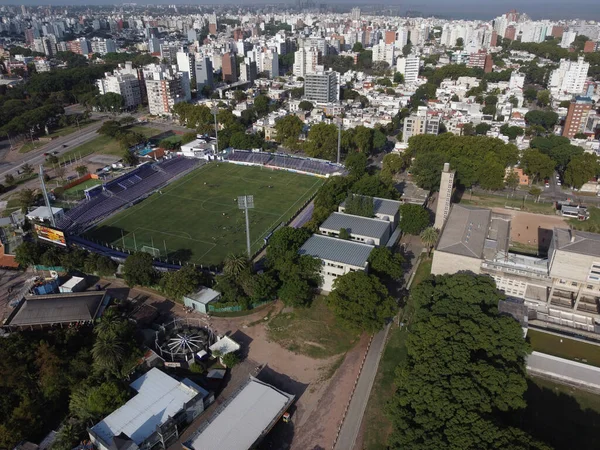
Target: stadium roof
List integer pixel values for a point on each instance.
(243, 420)
(381, 205)
(465, 231)
(338, 250)
(158, 397)
(357, 225)
(57, 308)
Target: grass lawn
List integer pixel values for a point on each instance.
(564, 347)
(423, 271)
(313, 331)
(28, 146)
(77, 191)
(105, 145)
(377, 424)
(592, 224)
(524, 249)
(564, 417)
(197, 217)
(494, 201)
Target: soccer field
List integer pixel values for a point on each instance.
(196, 218)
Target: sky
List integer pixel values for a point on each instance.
(468, 9)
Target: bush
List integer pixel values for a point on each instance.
(230, 360)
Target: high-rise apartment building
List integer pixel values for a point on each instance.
(123, 81)
(80, 46)
(103, 46)
(212, 23)
(185, 61)
(355, 14)
(228, 68)
(444, 197)
(577, 116)
(306, 60)
(322, 87)
(409, 68)
(165, 87)
(248, 70)
(481, 60)
(570, 77)
(384, 52)
(204, 72)
(420, 123)
(567, 38)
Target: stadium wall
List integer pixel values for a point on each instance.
(83, 179)
(243, 163)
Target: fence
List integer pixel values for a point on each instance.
(55, 268)
(233, 308)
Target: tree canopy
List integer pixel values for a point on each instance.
(138, 269)
(413, 218)
(465, 369)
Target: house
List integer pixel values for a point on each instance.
(361, 229)
(199, 148)
(151, 418)
(200, 300)
(338, 257)
(523, 178)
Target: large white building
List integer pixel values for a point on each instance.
(122, 81)
(570, 77)
(409, 68)
(383, 52)
(561, 290)
(103, 46)
(306, 61)
(165, 87)
(322, 86)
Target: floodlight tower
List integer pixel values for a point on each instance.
(246, 202)
(46, 199)
(215, 111)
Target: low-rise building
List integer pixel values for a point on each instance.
(200, 300)
(338, 257)
(360, 229)
(383, 209)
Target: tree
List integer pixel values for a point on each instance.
(581, 169)
(10, 179)
(407, 49)
(359, 205)
(60, 172)
(108, 352)
(92, 403)
(52, 159)
(322, 141)
(261, 105)
(374, 186)
(344, 234)
(288, 130)
(536, 164)
(460, 42)
(512, 180)
(384, 263)
(230, 359)
(305, 105)
(27, 169)
(28, 254)
(235, 265)
(427, 170)
(138, 269)
(284, 245)
(356, 163)
(398, 78)
(482, 128)
(536, 192)
(465, 370)
(130, 158)
(530, 94)
(429, 237)
(296, 292)
(182, 282)
(357, 47)
(546, 119)
(543, 98)
(413, 218)
(361, 300)
(392, 164)
(26, 199)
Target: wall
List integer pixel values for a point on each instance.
(87, 176)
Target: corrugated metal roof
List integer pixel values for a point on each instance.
(581, 242)
(381, 205)
(159, 397)
(465, 231)
(244, 419)
(338, 250)
(357, 225)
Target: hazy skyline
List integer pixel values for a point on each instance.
(468, 9)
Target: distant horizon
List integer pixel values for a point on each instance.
(464, 9)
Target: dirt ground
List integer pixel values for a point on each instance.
(532, 229)
(322, 386)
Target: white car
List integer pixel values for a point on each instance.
(558, 183)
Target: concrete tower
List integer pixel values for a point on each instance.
(444, 197)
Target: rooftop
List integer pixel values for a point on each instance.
(338, 250)
(57, 308)
(158, 397)
(580, 242)
(382, 206)
(357, 225)
(204, 295)
(465, 231)
(243, 419)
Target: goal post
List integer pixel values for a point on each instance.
(155, 252)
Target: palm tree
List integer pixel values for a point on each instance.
(234, 265)
(429, 237)
(110, 324)
(108, 352)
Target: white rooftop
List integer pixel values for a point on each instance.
(205, 295)
(72, 282)
(245, 418)
(42, 212)
(158, 397)
(225, 345)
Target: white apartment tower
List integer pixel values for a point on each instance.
(306, 60)
(570, 77)
(384, 52)
(444, 197)
(409, 67)
(165, 87)
(122, 81)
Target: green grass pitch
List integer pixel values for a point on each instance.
(196, 218)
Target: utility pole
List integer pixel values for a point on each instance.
(46, 199)
(246, 202)
(215, 110)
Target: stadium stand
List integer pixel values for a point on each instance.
(310, 166)
(123, 191)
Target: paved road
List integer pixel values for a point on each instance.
(360, 398)
(351, 425)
